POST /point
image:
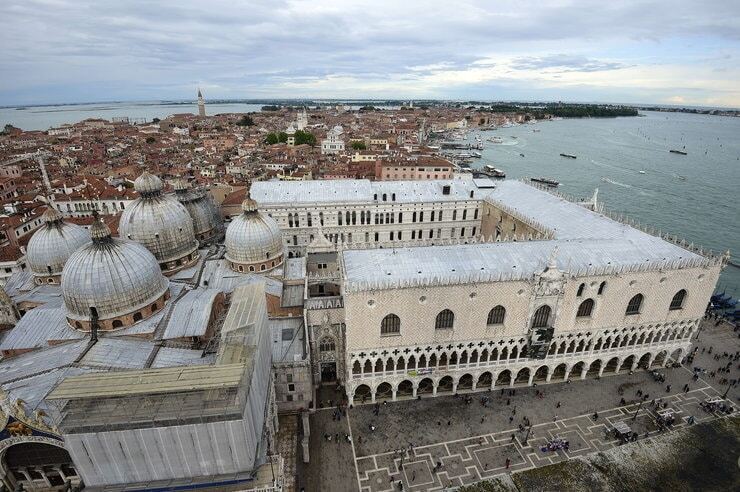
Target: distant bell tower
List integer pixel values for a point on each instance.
(201, 104)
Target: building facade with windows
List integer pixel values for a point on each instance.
(546, 289)
(369, 213)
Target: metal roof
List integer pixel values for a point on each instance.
(149, 381)
(171, 356)
(190, 314)
(37, 327)
(40, 361)
(287, 348)
(118, 353)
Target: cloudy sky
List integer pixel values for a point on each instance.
(668, 52)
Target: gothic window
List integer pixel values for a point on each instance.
(677, 301)
(445, 319)
(541, 317)
(391, 325)
(496, 315)
(308, 219)
(580, 290)
(327, 345)
(634, 305)
(602, 287)
(584, 310)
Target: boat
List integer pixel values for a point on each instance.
(570, 156)
(521, 155)
(496, 140)
(535, 130)
(477, 155)
(674, 151)
(545, 181)
(641, 172)
(681, 177)
(492, 172)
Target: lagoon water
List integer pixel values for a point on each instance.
(45, 117)
(702, 208)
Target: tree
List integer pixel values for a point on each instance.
(271, 139)
(359, 145)
(282, 137)
(245, 120)
(304, 138)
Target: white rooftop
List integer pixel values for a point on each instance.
(586, 241)
(267, 193)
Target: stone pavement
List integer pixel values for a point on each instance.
(472, 441)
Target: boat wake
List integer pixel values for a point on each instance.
(617, 183)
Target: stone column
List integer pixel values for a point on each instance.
(434, 389)
(567, 373)
(414, 389)
(454, 387)
(372, 394)
(531, 378)
(60, 472)
(584, 371)
(475, 383)
(602, 369)
(549, 375)
(394, 394)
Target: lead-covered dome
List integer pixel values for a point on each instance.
(207, 222)
(253, 241)
(116, 280)
(161, 223)
(51, 246)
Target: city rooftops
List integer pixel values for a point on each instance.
(361, 191)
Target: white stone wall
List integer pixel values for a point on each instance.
(297, 237)
(607, 334)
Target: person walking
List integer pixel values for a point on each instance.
(508, 463)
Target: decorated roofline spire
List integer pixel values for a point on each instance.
(51, 216)
(99, 231)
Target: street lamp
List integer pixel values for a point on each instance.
(729, 385)
(526, 438)
(638, 411)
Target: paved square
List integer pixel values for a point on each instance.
(473, 441)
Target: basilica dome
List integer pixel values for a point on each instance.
(51, 246)
(253, 241)
(119, 281)
(161, 223)
(207, 222)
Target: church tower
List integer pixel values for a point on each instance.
(201, 104)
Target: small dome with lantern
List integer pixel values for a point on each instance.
(161, 223)
(51, 245)
(253, 241)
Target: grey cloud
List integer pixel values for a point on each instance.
(138, 47)
(565, 63)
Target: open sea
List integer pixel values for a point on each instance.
(694, 196)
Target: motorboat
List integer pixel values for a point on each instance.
(545, 181)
